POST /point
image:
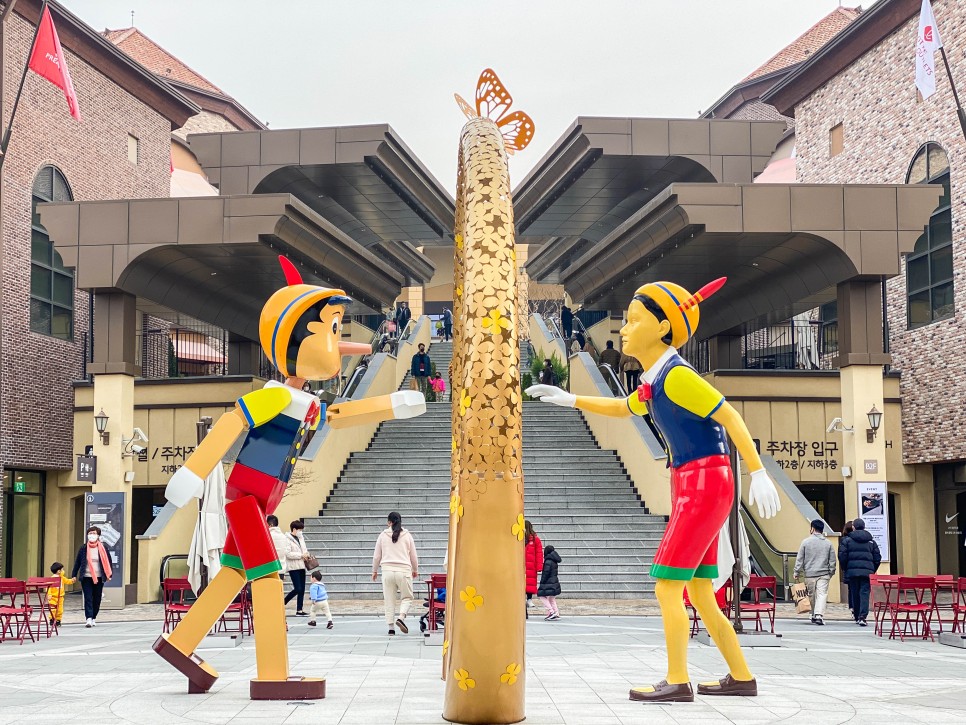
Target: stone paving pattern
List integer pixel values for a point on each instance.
(579, 671)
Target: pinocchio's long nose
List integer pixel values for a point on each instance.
(354, 348)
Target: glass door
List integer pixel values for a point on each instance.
(24, 512)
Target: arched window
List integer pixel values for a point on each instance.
(929, 267)
(51, 285)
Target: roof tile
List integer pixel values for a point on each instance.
(156, 59)
(808, 42)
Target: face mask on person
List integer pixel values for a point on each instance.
(92, 538)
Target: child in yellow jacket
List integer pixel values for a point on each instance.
(55, 597)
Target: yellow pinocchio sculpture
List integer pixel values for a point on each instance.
(483, 648)
(300, 330)
(695, 422)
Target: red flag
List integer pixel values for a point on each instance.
(47, 59)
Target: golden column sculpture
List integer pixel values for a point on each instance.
(485, 636)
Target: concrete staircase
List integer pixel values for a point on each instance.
(578, 497)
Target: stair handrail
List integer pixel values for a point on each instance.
(353, 382)
(613, 378)
(761, 538)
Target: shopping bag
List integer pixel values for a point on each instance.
(413, 385)
(799, 594)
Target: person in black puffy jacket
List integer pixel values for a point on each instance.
(549, 588)
(859, 557)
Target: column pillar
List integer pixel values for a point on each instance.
(725, 352)
(860, 360)
(114, 370)
(243, 357)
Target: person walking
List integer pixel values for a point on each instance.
(549, 588)
(93, 567)
(816, 561)
(631, 368)
(421, 369)
(566, 321)
(320, 600)
(395, 554)
(439, 387)
(295, 555)
(403, 315)
(547, 375)
(55, 596)
(447, 323)
(846, 530)
(611, 357)
(533, 559)
(860, 558)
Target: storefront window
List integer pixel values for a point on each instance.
(950, 481)
(24, 523)
(929, 268)
(51, 284)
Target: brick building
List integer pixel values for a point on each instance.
(133, 97)
(860, 119)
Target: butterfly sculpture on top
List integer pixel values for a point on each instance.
(493, 101)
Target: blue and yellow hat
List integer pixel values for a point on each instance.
(283, 311)
(679, 306)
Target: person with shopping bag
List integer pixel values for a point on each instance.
(816, 560)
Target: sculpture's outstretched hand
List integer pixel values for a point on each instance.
(407, 404)
(183, 486)
(552, 394)
(763, 492)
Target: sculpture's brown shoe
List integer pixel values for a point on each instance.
(728, 685)
(201, 676)
(663, 692)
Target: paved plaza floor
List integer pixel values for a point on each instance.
(580, 669)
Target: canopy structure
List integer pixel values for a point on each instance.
(349, 206)
(618, 203)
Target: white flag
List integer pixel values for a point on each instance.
(927, 42)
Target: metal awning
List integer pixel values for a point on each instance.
(619, 202)
(363, 179)
(214, 258)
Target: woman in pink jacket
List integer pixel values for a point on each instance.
(396, 554)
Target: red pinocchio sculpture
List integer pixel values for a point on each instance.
(695, 422)
(299, 329)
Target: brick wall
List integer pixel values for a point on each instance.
(205, 122)
(884, 125)
(37, 399)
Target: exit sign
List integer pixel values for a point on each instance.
(19, 486)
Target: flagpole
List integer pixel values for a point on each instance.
(16, 101)
(959, 106)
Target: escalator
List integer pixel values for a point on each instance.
(766, 560)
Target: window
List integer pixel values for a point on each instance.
(929, 267)
(132, 149)
(51, 284)
(836, 140)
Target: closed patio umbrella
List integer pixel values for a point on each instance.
(210, 530)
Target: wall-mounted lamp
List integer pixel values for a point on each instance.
(875, 420)
(100, 420)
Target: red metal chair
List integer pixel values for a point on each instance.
(174, 601)
(959, 606)
(881, 587)
(435, 581)
(38, 589)
(943, 610)
(239, 613)
(725, 602)
(14, 589)
(762, 588)
(915, 601)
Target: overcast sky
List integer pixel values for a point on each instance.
(322, 63)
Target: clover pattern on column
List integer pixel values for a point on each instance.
(485, 621)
